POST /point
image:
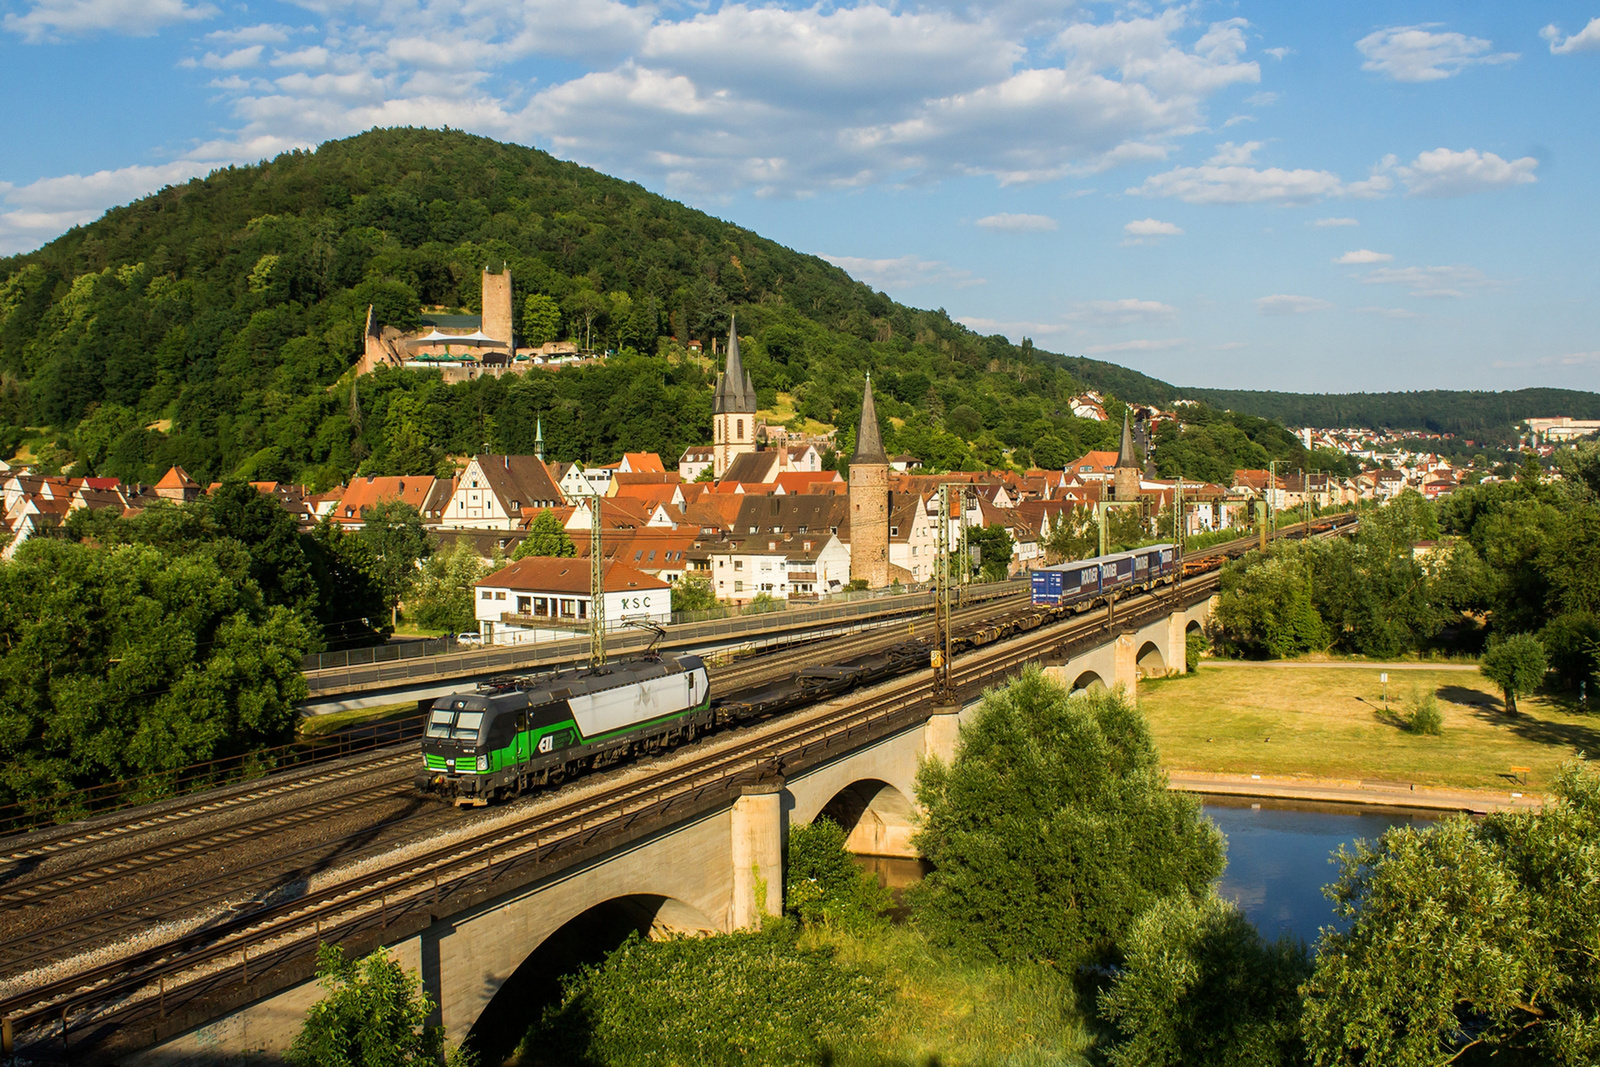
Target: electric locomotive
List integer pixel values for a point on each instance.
(511, 735)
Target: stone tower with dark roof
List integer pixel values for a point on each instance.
(869, 500)
(1126, 475)
(733, 411)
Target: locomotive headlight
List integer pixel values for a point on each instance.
(483, 763)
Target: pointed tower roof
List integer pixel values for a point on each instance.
(735, 392)
(869, 443)
(1125, 456)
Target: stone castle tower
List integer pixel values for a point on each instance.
(733, 411)
(1126, 475)
(869, 500)
(497, 307)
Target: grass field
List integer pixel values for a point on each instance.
(334, 721)
(1329, 722)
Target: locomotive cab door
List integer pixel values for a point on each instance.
(522, 737)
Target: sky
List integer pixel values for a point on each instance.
(1313, 197)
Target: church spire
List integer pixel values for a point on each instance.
(538, 439)
(869, 443)
(1125, 456)
(735, 391)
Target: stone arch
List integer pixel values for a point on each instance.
(1194, 627)
(1152, 664)
(1088, 682)
(584, 938)
(878, 818)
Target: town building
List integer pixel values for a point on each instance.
(493, 492)
(541, 598)
(869, 500)
(733, 410)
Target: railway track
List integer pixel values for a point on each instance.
(275, 931)
(270, 930)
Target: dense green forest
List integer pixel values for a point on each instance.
(1482, 416)
(214, 324)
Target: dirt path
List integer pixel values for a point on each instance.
(1350, 791)
(1359, 664)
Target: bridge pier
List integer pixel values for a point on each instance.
(757, 854)
(941, 734)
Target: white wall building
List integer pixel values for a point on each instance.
(541, 598)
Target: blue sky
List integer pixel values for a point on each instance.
(1326, 197)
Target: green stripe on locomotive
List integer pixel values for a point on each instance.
(564, 735)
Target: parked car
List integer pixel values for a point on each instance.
(469, 637)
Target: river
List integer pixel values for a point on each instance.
(1279, 856)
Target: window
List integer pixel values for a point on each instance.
(488, 595)
(738, 429)
(467, 723)
(499, 596)
(833, 529)
(894, 531)
(738, 564)
(738, 587)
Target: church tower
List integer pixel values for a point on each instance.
(1126, 475)
(869, 500)
(733, 411)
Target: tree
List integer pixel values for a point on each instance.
(393, 531)
(374, 1015)
(1199, 988)
(1466, 939)
(541, 320)
(1075, 535)
(693, 593)
(1517, 665)
(127, 660)
(1053, 829)
(546, 537)
(351, 602)
(445, 597)
(994, 546)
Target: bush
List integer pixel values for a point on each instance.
(1194, 647)
(1054, 829)
(374, 1015)
(1422, 715)
(1199, 988)
(823, 885)
(734, 999)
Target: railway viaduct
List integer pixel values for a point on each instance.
(716, 871)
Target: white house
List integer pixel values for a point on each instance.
(779, 565)
(542, 598)
(493, 491)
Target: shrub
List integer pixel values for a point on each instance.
(823, 885)
(1422, 715)
(1194, 647)
(736, 999)
(374, 1015)
(1200, 988)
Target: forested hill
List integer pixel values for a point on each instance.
(1482, 416)
(214, 324)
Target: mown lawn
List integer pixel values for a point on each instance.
(1329, 722)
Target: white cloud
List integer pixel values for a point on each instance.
(1585, 40)
(1149, 345)
(1227, 179)
(1261, 99)
(1151, 228)
(1285, 304)
(903, 272)
(1363, 255)
(238, 59)
(1442, 172)
(1416, 54)
(1389, 313)
(1448, 281)
(1004, 223)
(314, 58)
(34, 213)
(1110, 314)
(782, 101)
(262, 33)
(1278, 53)
(1336, 222)
(50, 20)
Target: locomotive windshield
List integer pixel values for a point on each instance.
(464, 726)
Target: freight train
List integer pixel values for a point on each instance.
(516, 734)
(1081, 584)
